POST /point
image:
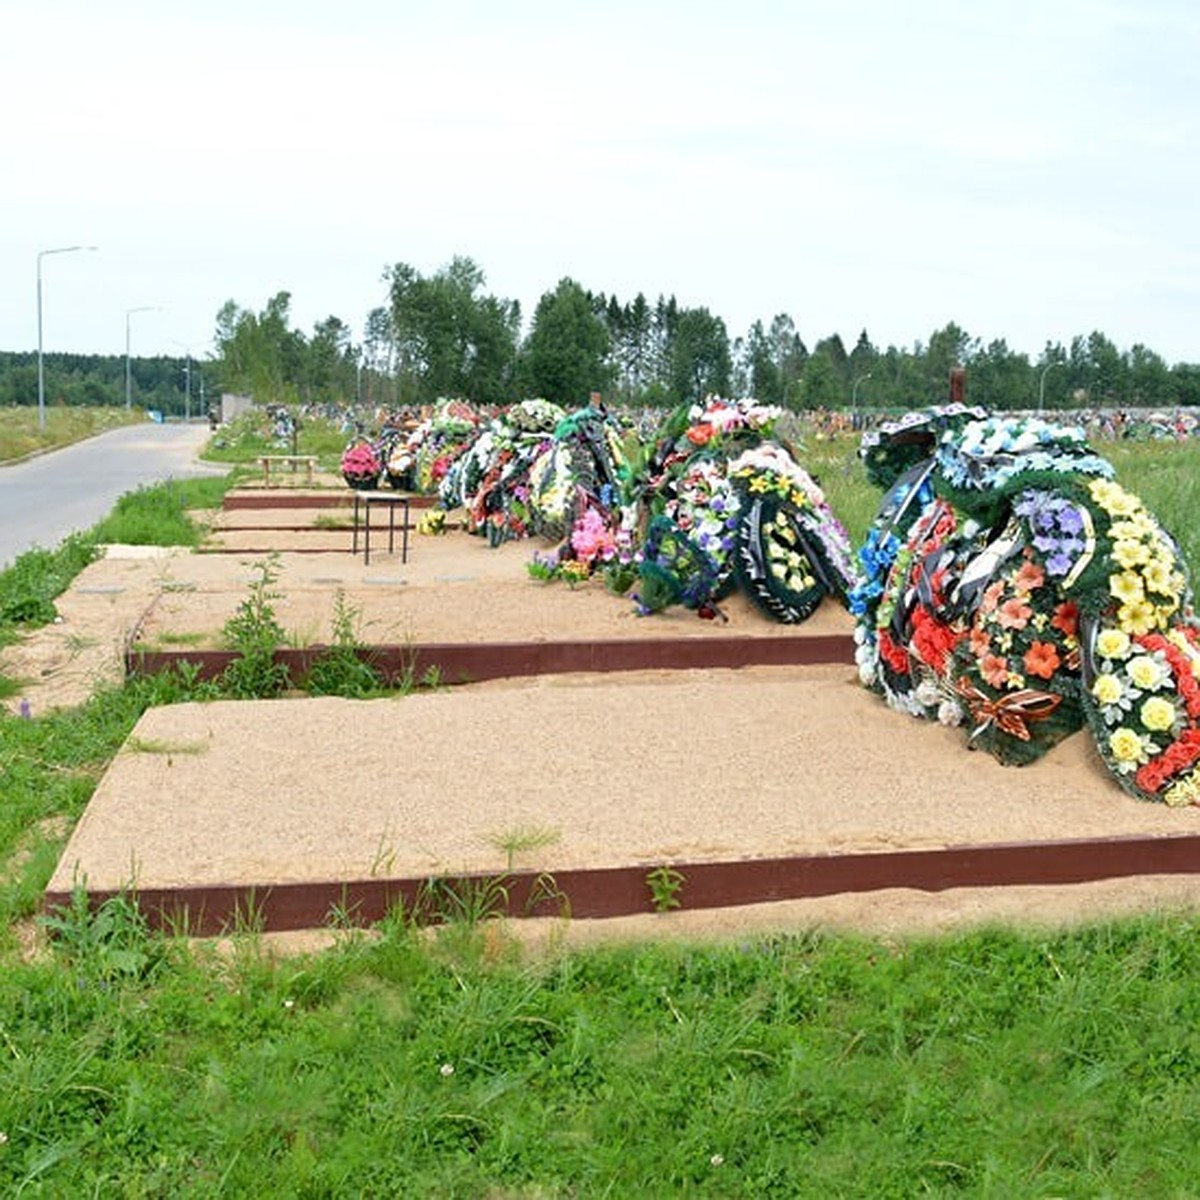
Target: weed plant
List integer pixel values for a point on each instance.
(341, 669)
(157, 515)
(255, 633)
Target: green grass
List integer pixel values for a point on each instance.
(451, 1063)
(247, 437)
(990, 1064)
(158, 515)
(21, 436)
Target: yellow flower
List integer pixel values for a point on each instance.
(1113, 498)
(1112, 643)
(1130, 554)
(1160, 576)
(1135, 528)
(1107, 689)
(1145, 672)
(1125, 745)
(1184, 791)
(1138, 618)
(1126, 587)
(1158, 714)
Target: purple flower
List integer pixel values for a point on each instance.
(1058, 564)
(1070, 521)
(1045, 543)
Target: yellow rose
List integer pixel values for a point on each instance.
(1158, 714)
(1125, 745)
(1112, 643)
(1107, 689)
(1126, 587)
(1145, 672)
(1185, 791)
(1130, 554)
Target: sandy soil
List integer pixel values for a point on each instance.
(635, 768)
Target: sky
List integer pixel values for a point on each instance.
(1026, 170)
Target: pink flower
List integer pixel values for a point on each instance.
(994, 670)
(1014, 614)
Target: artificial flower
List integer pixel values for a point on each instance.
(1145, 672)
(1107, 689)
(1138, 618)
(1158, 714)
(1041, 659)
(1066, 618)
(1014, 614)
(1112, 643)
(1126, 747)
(1126, 586)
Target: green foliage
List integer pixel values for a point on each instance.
(449, 337)
(157, 515)
(105, 942)
(565, 355)
(666, 886)
(28, 588)
(341, 669)
(255, 633)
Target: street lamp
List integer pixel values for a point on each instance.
(187, 382)
(854, 396)
(1042, 386)
(128, 370)
(41, 370)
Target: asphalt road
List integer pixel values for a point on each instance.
(48, 497)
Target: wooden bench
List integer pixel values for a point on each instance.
(295, 461)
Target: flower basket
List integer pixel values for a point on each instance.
(361, 466)
(361, 482)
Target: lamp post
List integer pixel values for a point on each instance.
(854, 396)
(41, 370)
(128, 367)
(1042, 385)
(187, 382)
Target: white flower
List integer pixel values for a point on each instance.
(949, 713)
(927, 693)
(717, 1160)
(446, 1070)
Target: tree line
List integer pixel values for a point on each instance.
(444, 334)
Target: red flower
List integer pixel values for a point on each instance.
(933, 641)
(1041, 659)
(893, 655)
(1066, 618)
(701, 435)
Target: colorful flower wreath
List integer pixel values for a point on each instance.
(1029, 595)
